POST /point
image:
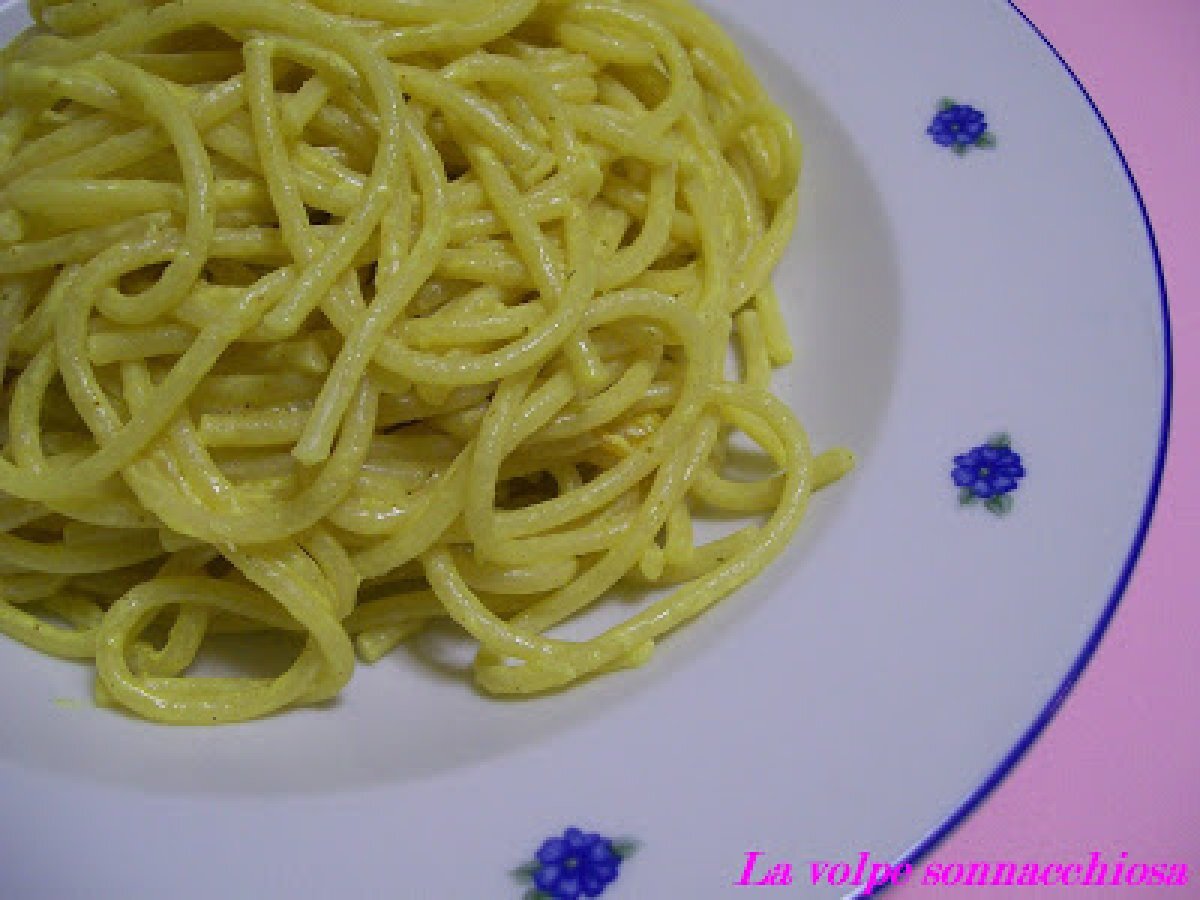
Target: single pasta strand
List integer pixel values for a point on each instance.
(200, 219)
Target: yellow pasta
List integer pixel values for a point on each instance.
(327, 321)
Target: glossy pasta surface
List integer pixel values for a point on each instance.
(321, 323)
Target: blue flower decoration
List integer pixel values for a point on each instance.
(578, 864)
(989, 472)
(959, 127)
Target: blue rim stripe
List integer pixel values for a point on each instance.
(1034, 731)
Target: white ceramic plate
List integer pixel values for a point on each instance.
(868, 691)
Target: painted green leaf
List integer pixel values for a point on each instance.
(1001, 505)
(625, 847)
(525, 872)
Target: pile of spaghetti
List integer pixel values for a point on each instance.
(334, 319)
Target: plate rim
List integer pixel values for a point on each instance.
(974, 800)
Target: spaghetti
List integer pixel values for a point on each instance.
(332, 320)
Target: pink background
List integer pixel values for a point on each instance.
(1118, 769)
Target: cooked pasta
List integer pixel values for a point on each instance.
(322, 323)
